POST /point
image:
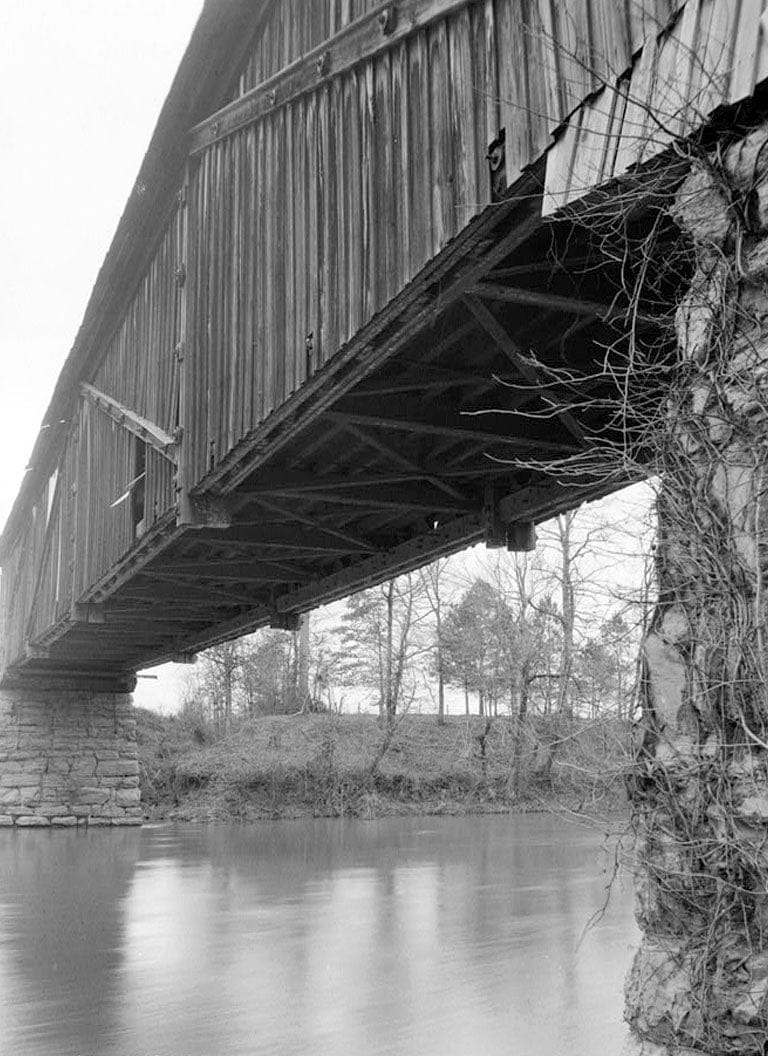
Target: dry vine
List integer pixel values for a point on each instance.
(686, 401)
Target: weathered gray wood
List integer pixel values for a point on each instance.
(147, 431)
(359, 41)
(434, 428)
(330, 259)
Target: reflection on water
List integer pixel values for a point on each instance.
(404, 937)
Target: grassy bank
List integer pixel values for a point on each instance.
(330, 766)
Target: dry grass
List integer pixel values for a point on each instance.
(330, 765)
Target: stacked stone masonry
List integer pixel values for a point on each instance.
(68, 758)
(699, 983)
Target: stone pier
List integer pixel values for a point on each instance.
(699, 983)
(68, 757)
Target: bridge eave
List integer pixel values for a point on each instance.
(206, 75)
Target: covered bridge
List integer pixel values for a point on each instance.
(367, 304)
(334, 250)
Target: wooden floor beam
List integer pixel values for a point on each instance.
(428, 428)
(514, 354)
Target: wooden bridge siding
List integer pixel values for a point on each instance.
(140, 366)
(60, 555)
(714, 54)
(14, 588)
(292, 28)
(105, 469)
(592, 33)
(307, 221)
(53, 591)
(337, 200)
(36, 582)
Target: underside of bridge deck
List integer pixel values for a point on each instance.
(448, 421)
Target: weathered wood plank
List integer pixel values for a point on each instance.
(147, 431)
(314, 343)
(633, 141)
(322, 164)
(353, 215)
(746, 48)
(382, 169)
(355, 45)
(462, 82)
(443, 217)
(329, 270)
(716, 51)
(402, 162)
(281, 263)
(419, 190)
(298, 308)
(368, 245)
(487, 49)
(513, 88)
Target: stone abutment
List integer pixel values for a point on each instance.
(68, 758)
(699, 983)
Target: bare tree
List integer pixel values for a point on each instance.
(381, 636)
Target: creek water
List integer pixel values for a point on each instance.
(399, 937)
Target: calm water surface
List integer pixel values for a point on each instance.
(402, 937)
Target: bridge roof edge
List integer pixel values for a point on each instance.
(224, 29)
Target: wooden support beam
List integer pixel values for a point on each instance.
(212, 602)
(190, 589)
(383, 28)
(285, 621)
(165, 617)
(521, 536)
(545, 299)
(445, 539)
(311, 447)
(204, 511)
(227, 566)
(292, 516)
(222, 578)
(514, 354)
(550, 264)
(73, 676)
(376, 496)
(539, 502)
(494, 529)
(288, 482)
(147, 431)
(243, 623)
(33, 651)
(246, 539)
(440, 429)
(88, 613)
(389, 500)
(395, 456)
(444, 380)
(454, 452)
